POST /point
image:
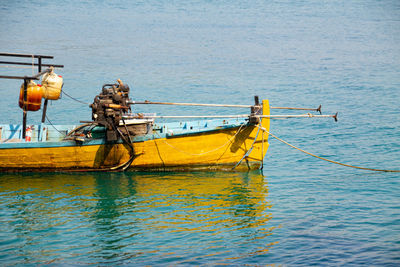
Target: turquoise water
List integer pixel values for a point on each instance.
(344, 55)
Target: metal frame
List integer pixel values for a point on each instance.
(26, 79)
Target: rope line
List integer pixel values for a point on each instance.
(331, 161)
(47, 118)
(248, 151)
(73, 98)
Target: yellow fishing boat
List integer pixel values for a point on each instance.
(233, 143)
(117, 139)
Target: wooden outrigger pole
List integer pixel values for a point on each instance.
(215, 105)
(313, 109)
(308, 115)
(187, 104)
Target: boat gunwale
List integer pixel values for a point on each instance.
(101, 141)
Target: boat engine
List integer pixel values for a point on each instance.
(109, 106)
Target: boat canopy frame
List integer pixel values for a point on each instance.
(26, 79)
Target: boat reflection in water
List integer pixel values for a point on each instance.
(152, 218)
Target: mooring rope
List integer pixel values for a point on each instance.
(318, 157)
(248, 151)
(47, 118)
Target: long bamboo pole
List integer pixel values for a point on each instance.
(187, 104)
(308, 115)
(313, 109)
(214, 105)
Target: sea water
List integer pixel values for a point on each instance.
(299, 210)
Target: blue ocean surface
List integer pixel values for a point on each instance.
(298, 211)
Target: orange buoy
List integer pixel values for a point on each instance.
(34, 96)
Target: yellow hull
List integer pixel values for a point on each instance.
(219, 149)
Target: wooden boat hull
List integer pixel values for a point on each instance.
(220, 148)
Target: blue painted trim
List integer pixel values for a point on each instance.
(162, 130)
(205, 131)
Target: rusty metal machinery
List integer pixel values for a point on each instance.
(109, 106)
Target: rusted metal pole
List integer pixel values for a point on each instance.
(17, 77)
(44, 110)
(23, 55)
(39, 64)
(24, 108)
(46, 101)
(30, 64)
